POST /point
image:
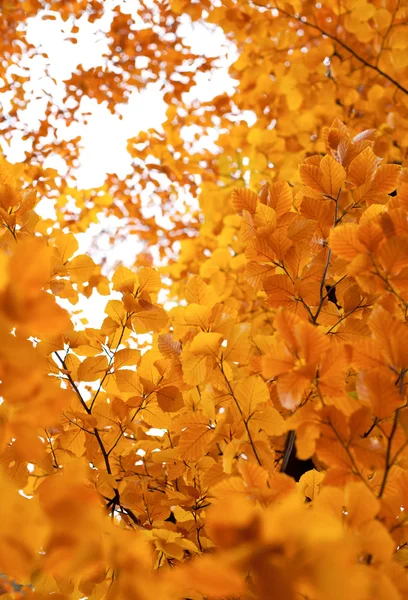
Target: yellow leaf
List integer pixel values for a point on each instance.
(128, 382)
(93, 368)
(250, 392)
(73, 441)
(124, 280)
(206, 344)
(195, 369)
(149, 280)
(81, 268)
(294, 99)
(116, 311)
(149, 318)
(167, 346)
(377, 387)
(280, 197)
(385, 179)
(391, 335)
(309, 485)
(22, 534)
(238, 344)
(334, 175)
(230, 452)
(66, 244)
(312, 176)
(344, 241)
(198, 292)
(266, 418)
(32, 262)
(244, 199)
(254, 475)
(360, 503)
(265, 217)
(169, 398)
(194, 441)
(362, 168)
(128, 357)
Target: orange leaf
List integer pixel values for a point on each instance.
(244, 199)
(206, 343)
(194, 442)
(81, 268)
(253, 475)
(93, 368)
(280, 198)
(280, 291)
(392, 336)
(363, 166)
(312, 176)
(378, 388)
(344, 241)
(198, 292)
(170, 399)
(250, 392)
(334, 175)
(385, 179)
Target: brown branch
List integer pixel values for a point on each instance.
(89, 412)
(350, 312)
(110, 361)
(251, 441)
(73, 384)
(287, 451)
(327, 265)
(369, 430)
(389, 286)
(55, 465)
(388, 461)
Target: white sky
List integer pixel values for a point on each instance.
(104, 137)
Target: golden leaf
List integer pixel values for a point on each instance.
(93, 368)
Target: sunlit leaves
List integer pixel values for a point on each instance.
(160, 432)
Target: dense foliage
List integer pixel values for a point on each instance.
(148, 457)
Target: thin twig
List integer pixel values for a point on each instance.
(287, 451)
(251, 441)
(388, 461)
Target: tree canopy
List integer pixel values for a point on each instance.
(261, 316)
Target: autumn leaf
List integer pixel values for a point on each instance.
(93, 368)
(194, 441)
(334, 175)
(344, 241)
(250, 392)
(309, 485)
(244, 199)
(81, 268)
(249, 246)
